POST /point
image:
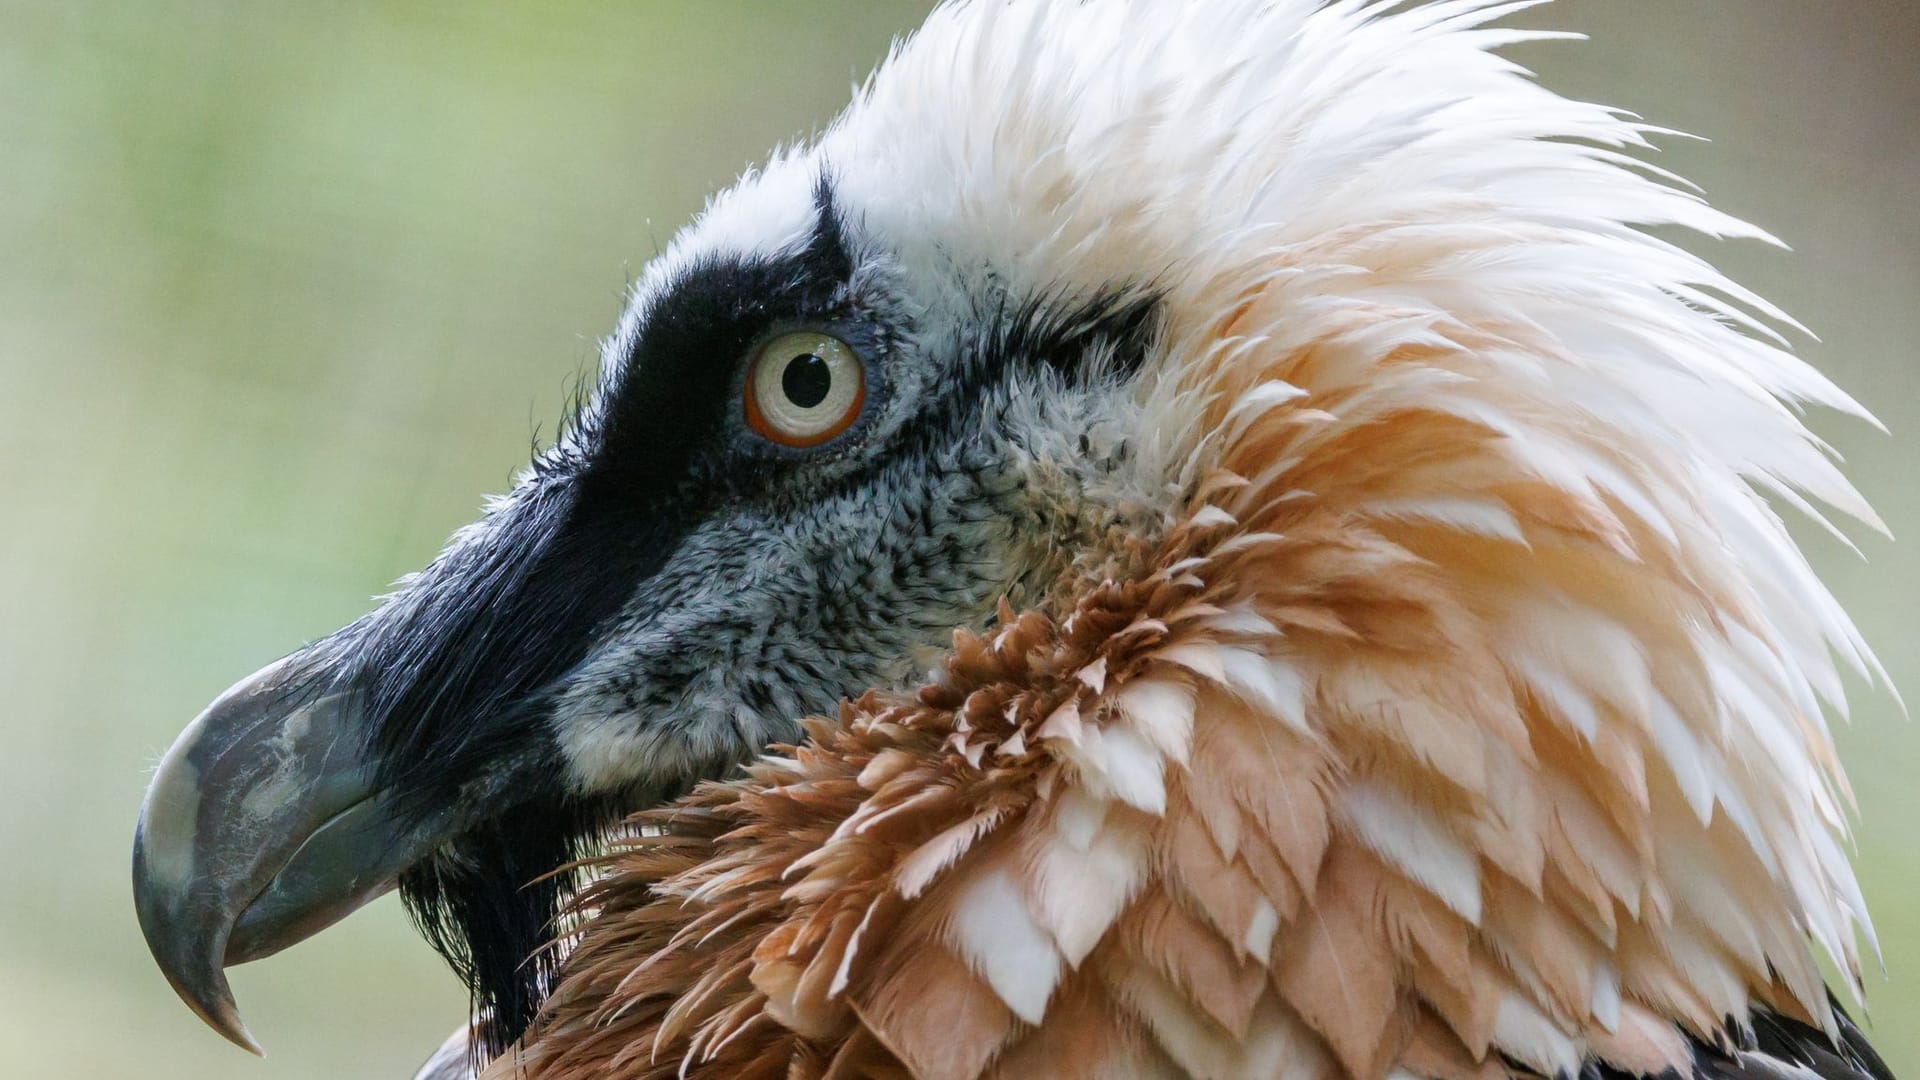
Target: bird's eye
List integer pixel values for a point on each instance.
(804, 388)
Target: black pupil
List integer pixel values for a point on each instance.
(806, 380)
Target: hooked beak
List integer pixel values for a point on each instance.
(263, 826)
(412, 747)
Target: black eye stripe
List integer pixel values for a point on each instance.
(674, 392)
(1104, 335)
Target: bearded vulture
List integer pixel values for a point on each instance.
(1174, 539)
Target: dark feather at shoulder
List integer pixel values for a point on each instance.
(1783, 1048)
(1780, 1048)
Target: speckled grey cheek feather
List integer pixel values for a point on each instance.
(757, 621)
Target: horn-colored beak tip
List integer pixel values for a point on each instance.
(223, 1016)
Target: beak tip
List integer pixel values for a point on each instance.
(223, 1016)
(237, 1034)
(204, 990)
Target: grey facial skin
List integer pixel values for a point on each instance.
(662, 596)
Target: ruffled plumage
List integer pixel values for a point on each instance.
(1464, 716)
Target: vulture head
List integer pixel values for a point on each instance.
(1284, 537)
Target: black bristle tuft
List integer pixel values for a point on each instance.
(489, 903)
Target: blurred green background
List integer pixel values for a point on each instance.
(285, 287)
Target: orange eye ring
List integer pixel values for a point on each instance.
(803, 389)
